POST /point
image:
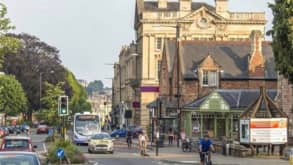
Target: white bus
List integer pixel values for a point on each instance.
(85, 125)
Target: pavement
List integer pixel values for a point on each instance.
(170, 154)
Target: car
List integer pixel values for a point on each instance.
(19, 158)
(119, 133)
(101, 142)
(6, 131)
(17, 143)
(42, 128)
(25, 127)
(11, 129)
(135, 130)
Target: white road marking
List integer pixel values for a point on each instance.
(45, 148)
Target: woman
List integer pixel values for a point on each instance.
(171, 136)
(143, 141)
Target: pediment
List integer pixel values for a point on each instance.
(202, 12)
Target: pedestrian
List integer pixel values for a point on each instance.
(129, 138)
(143, 141)
(170, 136)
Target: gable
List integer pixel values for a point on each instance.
(202, 12)
(209, 64)
(215, 102)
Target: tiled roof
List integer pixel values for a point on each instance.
(232, 56)
(236, 98)
(174, 6)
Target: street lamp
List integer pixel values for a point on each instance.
(41, 79)
(177, 27)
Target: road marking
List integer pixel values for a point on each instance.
(45, 148)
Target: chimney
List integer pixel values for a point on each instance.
(185, 5)
(222, 7)
(257, 61)
(162, 4)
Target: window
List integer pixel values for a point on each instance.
(158, 43)
(159, 65)
(209, 78)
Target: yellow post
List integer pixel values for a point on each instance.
(291, 157)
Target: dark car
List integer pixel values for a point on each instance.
(135, 130)
(119, 133)
(11, 129)
(42, 128)
(17, 143)
(19, 158)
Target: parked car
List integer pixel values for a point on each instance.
(17, 143)
(18, 158)
(42, 128)
(17, 129)
(135, 130)
(119, 133)
(101, 142)
(6, 131)
(11, 129)
(24, 127)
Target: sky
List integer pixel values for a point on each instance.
(90, 33)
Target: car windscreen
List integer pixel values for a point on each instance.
(101, 136)
(16, 143)
(18, 159)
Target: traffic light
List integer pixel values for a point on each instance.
(63, 106)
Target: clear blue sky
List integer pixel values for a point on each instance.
(90, 33)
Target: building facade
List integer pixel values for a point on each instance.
(155, 21)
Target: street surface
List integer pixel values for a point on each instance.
(167, 156)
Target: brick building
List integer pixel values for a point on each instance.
(208, 65)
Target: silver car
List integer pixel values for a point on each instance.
(16, 158)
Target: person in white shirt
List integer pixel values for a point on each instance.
(143, 141)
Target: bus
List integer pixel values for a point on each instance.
(85, 125)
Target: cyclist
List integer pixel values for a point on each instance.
(205, 145)
(129, 138)
(143, 141)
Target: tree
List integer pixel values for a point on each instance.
(13, 100)
(282, 34)
(95, 86)
(49, 112)
(34, 59)
(78, 96)
(7, 43)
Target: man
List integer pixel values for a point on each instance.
(143, 141)
(205, 145)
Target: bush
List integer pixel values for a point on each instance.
(71, 152)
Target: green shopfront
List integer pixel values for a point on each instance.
(218, 113)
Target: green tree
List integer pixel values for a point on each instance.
(282, 34)
(95, 86)
(78, 95)
(49, 112)
(7, 43)
(13, 99)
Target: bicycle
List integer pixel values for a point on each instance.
(207, 160)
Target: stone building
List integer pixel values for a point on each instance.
(155, 21)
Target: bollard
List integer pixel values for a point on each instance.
(291, 156)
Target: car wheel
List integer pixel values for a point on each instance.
(111, 152)
(89, 151)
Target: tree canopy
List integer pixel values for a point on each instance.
(282, 34)
(13, 100)
(95, 86)
(8, 43)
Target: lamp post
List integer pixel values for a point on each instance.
(41, 88)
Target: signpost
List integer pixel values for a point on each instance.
(60, 154)
(63, 111)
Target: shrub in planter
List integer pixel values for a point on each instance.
(71, 152)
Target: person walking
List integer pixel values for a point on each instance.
(170, 136)
(129, 139)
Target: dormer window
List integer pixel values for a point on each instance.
(209, 78)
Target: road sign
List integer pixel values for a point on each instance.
(60, 153)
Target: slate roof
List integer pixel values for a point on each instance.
(232, 56)
(174, 6)
(236, 98)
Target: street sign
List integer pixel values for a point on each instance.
(60, 153)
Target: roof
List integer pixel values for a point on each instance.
(174, 6)
(236, 98)
(17, 137)
(232, 56)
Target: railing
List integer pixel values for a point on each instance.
(247, 16)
